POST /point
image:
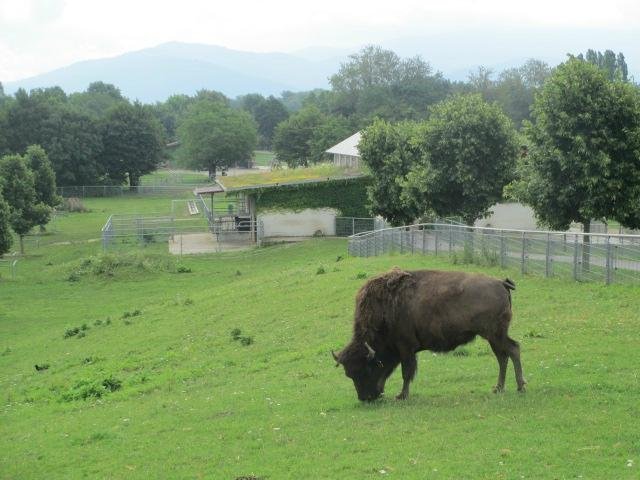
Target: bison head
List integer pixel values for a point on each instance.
(368, 370)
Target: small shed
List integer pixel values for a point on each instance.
(346, 153)
(288, 203)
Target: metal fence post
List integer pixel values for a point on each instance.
(413, 241)
(401, 241)
(353, 225)
(503, 250)
(424, 237)
(608, 262)
(450, 237)
(547, 263)
(575, 257)
(523, 268)
(435, 231)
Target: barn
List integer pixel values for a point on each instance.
(288, 204)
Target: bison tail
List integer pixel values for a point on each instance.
(509, 284)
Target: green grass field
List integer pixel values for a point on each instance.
(219, 366)
(263, 158)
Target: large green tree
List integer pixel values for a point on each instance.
(390, 150)
(215, 136)
(18, 189)
(6, 239)
(584, 155)
(132, 141)
(469, 150)
(44, 178)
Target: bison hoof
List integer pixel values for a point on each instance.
(402, 396)
(498, 389)
(522, 388)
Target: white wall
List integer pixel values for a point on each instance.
(509, 215)
(299, 224)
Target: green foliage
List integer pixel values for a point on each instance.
(303, 138)
(348, 196)
(6, 239)
(378, 83)
(469, 151)
(267, 113)
(216, 136)
(44, 178)
(615, 66)
(18, 190)
(389, 151)
(132, 143)
(583, 161)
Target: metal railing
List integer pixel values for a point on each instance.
(584, 257)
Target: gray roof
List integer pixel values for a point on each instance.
(348, 146)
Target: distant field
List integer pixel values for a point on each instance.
(224, 371)
(174, 177)
(263, 158)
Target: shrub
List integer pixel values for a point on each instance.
(71, 332)
(183, 269)
(235, 333)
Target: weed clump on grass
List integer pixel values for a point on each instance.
(236, 335)
(108, 265)
(320, 270)
(85, 389)
(361, 276)
(533, 334)
(134, 313)
(42, 367)
(71, 332)
(183, 269)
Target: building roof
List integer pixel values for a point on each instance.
(349, 146)
(284, 177)
(215, 188)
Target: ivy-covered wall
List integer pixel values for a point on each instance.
(348, 196)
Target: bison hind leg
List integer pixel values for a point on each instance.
(506, 348)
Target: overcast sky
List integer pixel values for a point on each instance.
(40, 35)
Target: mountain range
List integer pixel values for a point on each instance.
(153, 74)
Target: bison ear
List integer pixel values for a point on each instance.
(336, 358)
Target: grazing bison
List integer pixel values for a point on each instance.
(400, 313)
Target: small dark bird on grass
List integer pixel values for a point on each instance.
(40, 368)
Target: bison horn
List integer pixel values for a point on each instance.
(336, 358)
(372, 352)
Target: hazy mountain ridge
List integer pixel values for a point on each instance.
(155, 73)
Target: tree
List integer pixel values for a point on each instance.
(268, 114)
(216, 136)
(97, 99)
(5, 234)
(18, 189)
(44, 178)
(292, 138)
(132, 143)
(615, 66)
(583, 161)
(469, 150)
(378, 83)
(390, 151)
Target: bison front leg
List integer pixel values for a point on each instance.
(409, 367)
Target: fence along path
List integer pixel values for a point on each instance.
(584, 257)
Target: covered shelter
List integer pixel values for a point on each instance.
(346, 153)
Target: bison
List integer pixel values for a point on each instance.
(399, 313)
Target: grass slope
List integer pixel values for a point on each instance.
(169, 392)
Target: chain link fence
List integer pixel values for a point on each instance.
(605, 258)
(93, 191)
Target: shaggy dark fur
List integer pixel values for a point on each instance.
(400, 313)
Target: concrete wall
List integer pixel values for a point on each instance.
(509, 215)
(305, 223)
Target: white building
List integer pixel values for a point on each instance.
(345, 153)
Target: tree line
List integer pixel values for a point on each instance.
(433, 145)
(577, 157)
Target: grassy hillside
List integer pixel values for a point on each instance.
(219, 366)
